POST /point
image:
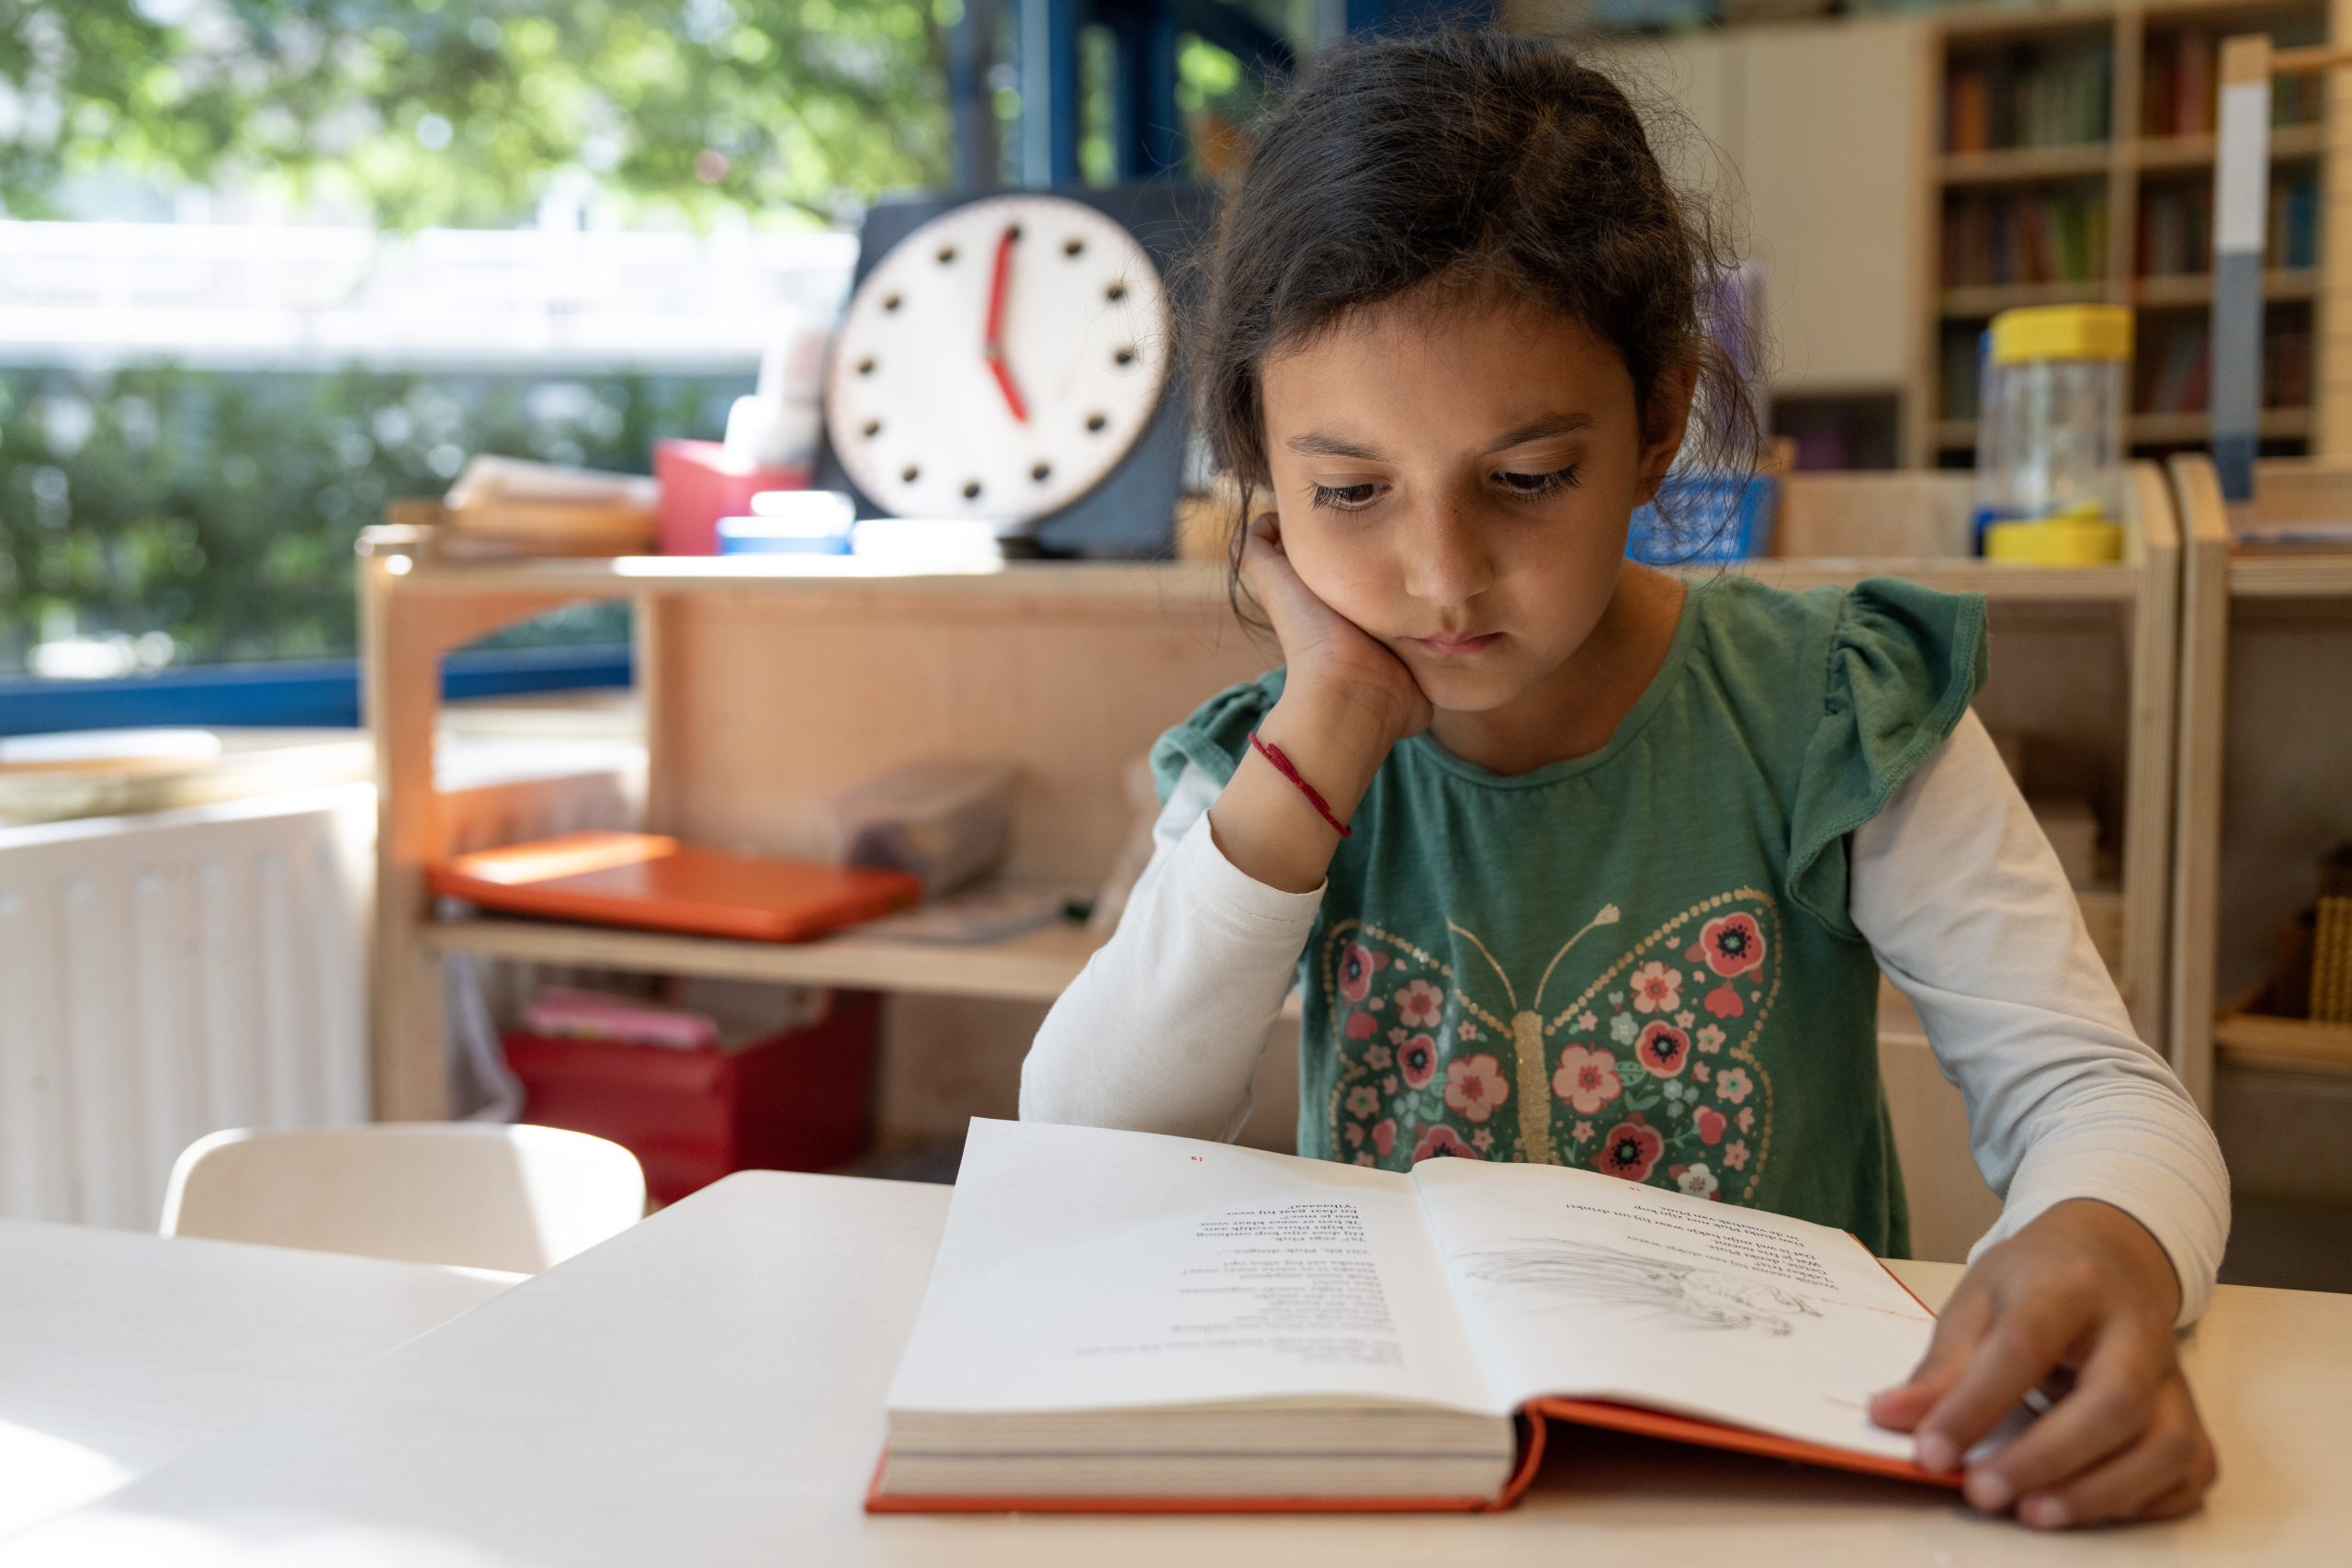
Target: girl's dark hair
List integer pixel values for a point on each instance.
(1477, 157)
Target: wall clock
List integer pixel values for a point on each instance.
(1009, 357)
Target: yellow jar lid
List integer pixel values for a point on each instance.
(2069, 540)
(2061, 332)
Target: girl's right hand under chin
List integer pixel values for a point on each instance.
(1334, 665)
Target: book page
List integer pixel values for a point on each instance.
(1583, 1285)
(1084, 1268)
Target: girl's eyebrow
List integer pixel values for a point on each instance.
(1538, 430)
(1315, 443)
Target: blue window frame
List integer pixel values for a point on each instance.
(301, 694)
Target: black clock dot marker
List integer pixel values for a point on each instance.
(1073, 247)
(1042, 472)
(1125, 355)
(1095, 422)
(865, 366)
(971, 489)
(1116, 292)
(890, 301)
(908, 474)
(872, 428)
(946, 254)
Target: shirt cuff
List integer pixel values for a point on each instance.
(2168, 1205)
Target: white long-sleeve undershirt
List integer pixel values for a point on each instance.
(1953, 884)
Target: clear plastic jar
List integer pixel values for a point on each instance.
(2050, 446)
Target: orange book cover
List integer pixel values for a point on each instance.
(655, 882)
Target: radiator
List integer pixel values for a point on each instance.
(163, 976)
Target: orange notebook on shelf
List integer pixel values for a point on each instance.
(658, 883)
(1123, 1321)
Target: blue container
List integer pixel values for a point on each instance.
(774, 536)
(1717, 518)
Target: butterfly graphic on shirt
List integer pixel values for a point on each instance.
(1645, 1070)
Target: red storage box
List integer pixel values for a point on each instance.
(799, 1100)
(698, 488)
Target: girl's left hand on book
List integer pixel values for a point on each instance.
(2078, 1304)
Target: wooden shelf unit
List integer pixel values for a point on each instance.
(764, 686)
(768, 683)
(2266, 748)
(2119, 168)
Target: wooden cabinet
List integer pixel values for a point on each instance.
(1832, 136)
(1817, 134)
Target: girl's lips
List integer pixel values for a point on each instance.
(1447, 646)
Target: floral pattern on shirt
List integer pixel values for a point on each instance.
(1624, 1079)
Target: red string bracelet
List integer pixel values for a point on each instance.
(1273, 753)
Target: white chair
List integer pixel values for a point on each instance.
(518, 1200)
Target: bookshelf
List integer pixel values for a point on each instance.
(2071, 161)
(2265, 637)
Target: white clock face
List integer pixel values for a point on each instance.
(999, 362)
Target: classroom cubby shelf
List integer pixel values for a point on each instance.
(2265, 752)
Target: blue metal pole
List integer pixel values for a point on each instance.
(969, 125)
(1049, 106)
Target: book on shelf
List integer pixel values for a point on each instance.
(2173, 362)
(2018, 97)
(2175, 233)
(2176, 91)
(1125, 1321)
(2180, 85)
(2175, 228)
(2007, 238)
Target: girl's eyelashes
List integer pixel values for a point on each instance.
(1536, 485)
(1345, 498)
(1524, 487)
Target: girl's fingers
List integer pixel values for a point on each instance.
(1266, 572)
(1958, 1333)
(2024, 1344)
(2165, 1472)
(2112, 1406)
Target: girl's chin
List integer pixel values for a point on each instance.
(1457, 689)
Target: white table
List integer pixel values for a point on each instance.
(121, 1350)
(706, 1389)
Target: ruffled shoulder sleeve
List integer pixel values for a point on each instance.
(1902, 663)
(1216, 734)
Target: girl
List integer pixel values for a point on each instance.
(1575, 863)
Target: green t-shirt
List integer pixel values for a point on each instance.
(1637, 960)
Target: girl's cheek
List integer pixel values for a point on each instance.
(1350, 579)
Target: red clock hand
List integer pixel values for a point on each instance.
(1004, 384)
(992, 344)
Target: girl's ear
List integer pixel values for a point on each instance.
(1670, 420)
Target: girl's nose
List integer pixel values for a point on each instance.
(1445, 556)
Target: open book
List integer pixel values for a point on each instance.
(1123, 1320)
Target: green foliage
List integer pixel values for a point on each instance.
(459, 112)
(221, 509)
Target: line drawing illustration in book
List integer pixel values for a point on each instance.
(1685, 1294)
